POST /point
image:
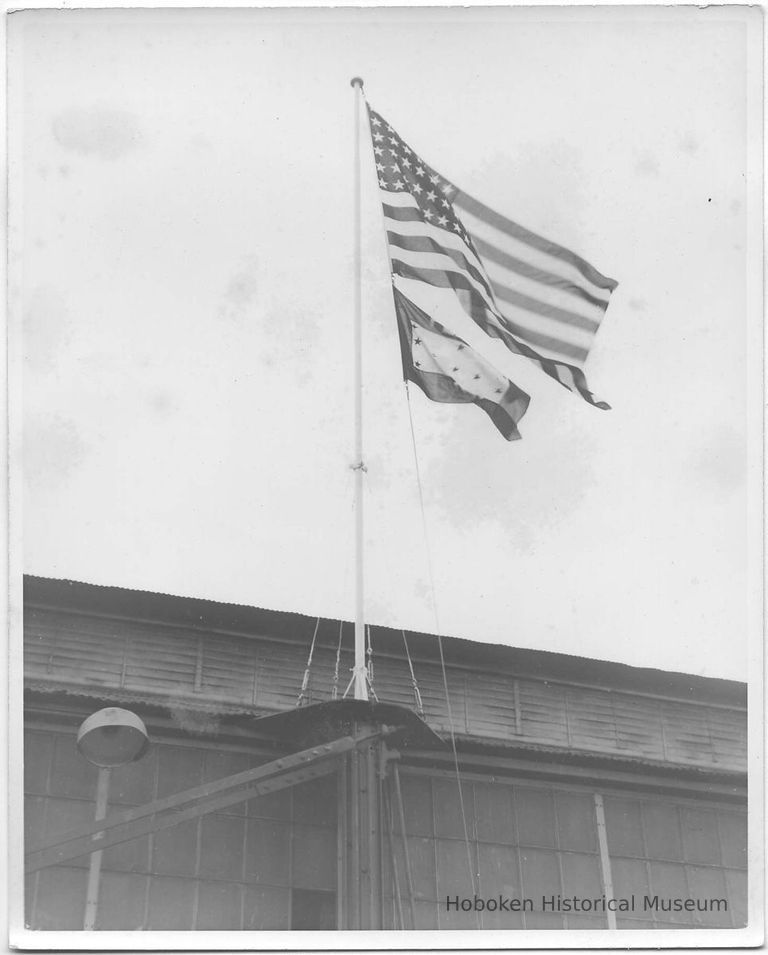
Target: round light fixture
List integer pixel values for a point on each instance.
(112, 737)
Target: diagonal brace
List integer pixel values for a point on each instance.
(172, 810)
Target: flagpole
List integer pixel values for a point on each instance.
(359, 671)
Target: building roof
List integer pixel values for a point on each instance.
(214, 616)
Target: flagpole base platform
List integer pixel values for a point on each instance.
(332, 719)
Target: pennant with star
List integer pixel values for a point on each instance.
(447, 369)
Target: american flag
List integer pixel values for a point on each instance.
(542, 300)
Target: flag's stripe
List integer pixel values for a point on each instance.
(545, 335)
(433, 261)
(553, 303)
(588, 317)
(438, 351)
(558, 342)
(566, 374)
(490, 253)
(426, 244)
(398, 198)
(467, 204)
(439, 385)
(567, 341)
(441, 236)
(506, 413)
(570, 342)
(544, 300)
(403, 213)
(440, 278)
(566, 377)
(480, 232)
(551, 346)
(568, 318)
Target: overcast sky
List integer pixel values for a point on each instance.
(182, 256)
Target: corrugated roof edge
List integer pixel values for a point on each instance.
(200, 613)
(479, 744)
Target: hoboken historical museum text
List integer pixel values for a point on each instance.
(575, 903)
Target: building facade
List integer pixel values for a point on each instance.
(580, 780)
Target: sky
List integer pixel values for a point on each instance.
(181, 265)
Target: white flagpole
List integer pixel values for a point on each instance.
(359, 672)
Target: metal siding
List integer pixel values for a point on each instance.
(158, 661)
(238, 673)
(216, 859)
(392, 680)
(491, 705)
(219, 906)
(63, 890)
(279, 677)
(267, 908)
(686, 732)
(171, 904)
(663, 836)
(591, 719)
(638, 726)
(556, 838)
(122, 898)
(228, 669)
(728, 733)
(79, 647)
(736, 885)
(543, 712)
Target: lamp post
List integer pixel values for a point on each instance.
(108, 738)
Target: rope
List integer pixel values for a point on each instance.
(414, 684)
(404, 838)
(369, 653)
(305, 681)
(397, 901)
(335, 691)
(440, 644)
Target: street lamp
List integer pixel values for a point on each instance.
(109, 738)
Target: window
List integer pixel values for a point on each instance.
(271, 863)
(532, 841)
(669, 850)
(265, 864)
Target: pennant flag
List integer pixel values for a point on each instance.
(447, 369)
(542, 300)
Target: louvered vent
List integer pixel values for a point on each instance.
(229, 672)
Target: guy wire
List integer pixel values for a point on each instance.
(440, 643)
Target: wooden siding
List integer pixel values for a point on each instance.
(127, 659)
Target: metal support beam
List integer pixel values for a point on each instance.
(690, 782)
(94, 870)
(605, 859)
(360, 821)
(172, 810)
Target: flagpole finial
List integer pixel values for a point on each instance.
(356, 81)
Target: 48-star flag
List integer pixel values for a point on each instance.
(540, 299)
